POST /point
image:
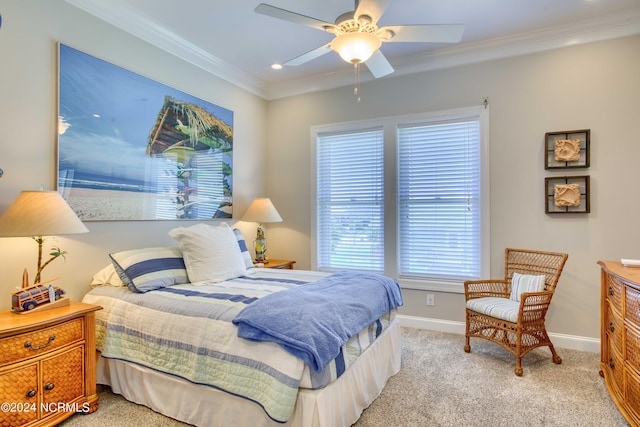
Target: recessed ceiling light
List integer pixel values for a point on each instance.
(276, 66)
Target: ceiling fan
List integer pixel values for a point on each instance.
(358, 38)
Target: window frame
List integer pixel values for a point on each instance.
(390, 127)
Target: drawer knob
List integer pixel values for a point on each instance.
(31, 393)
(48, 386)
(28, 344)
(611, 290)
(611, 364)
(611, 327)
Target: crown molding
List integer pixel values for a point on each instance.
(130, 21)
(549, 38)
(525, 43)
(468, 53)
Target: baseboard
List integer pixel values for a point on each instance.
(571, 342)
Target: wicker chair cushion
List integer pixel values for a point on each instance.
(521, 283)
(502, 308)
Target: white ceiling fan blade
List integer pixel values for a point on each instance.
(306, 57)
(378, 65)
(373, 8)
(426, 33)
(296, 18)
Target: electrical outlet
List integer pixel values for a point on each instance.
(430, 299)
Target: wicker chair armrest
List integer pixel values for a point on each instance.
(533, 299)
(486, 288)
(534, 305)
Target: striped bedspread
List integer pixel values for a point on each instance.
(186, 330)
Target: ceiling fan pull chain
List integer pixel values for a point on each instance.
(356, 89)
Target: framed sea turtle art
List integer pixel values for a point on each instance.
(567, 194)
(131, 148)
(567, 149)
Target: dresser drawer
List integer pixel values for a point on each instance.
(632, 391)
(614, 329)
(632, 306)
(616, 367)
(614, 290)
(31, 344)
(632, 341)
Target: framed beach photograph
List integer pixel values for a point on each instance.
(567, 194)
(131, 148)
(567, 149)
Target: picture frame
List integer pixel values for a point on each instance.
(131, 148)
(567, 194)
(567, 149)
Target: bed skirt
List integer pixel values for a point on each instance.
(337, 405)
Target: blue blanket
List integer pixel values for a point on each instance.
(314, 320)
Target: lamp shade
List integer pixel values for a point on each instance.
(261, 210)
(356, 47)
(40, 213)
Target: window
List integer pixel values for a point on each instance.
(439, 199)
(350, 200)
(405, 196)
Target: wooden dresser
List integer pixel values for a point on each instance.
(47, 365)
(620, 336)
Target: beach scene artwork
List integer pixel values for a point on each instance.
(131, 148)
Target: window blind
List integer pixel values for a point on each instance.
(439, 199)
(350, 202)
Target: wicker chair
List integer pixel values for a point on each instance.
(493, 314)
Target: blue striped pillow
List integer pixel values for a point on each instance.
(147, 269)
(246, 256)
(521, 283)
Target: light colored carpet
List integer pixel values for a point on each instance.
(440, 385)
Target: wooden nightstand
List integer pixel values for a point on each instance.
(47, 365)
(280, 264)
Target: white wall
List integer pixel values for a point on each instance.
(28, 118)
(594, 86)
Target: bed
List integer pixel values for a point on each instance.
(213, 352)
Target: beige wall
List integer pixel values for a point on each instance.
(592, 86)
(28, 105)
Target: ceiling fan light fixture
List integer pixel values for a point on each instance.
(356, 47)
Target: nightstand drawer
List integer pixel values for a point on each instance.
(34, 343)
(62, 376)
(19, 387)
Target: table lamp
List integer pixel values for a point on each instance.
(36, 214)
(261, 210)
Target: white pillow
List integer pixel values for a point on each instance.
(107, 276)
(521, 283)
(211, 253)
